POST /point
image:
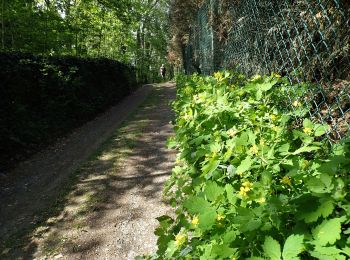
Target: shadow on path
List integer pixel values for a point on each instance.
(108, 206)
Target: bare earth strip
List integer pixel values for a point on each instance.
(109, 207)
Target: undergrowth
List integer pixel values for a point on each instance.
(255, 179)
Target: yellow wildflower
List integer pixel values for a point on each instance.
(195, 221)
(242, 192)
(275, 128)
(307, 130)
(180, 239)
(187, 117)
(262, 141)
(220, 217)
(256, 77)
(231, 132)
(278, 76)
(261, 200)
(296, 103)
(218, 76)
(247, 185)
(286, 180)
(254, 149)
(273, 117)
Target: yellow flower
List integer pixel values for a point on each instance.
(195, 221)
(262, 141)
(187, 117)
(307, 130)
(180, 239)
(231, 132)
(286, 180)
(242, 192)
(261, 200)
(220, 217)
(218, 76)
(248, 185)
(256, 77)
(273, 117)
(254, 149)
(275, 128)
(278, 76)
(296, 103)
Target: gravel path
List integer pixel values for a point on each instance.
(109, 210)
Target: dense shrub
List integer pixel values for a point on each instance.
(254, 179)
(44, 97)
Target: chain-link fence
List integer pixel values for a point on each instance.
(307, 41)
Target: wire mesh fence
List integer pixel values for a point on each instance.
(307, 41)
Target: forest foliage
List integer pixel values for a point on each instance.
(130, 31)
(64, 61)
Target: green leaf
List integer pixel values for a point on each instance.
(196, 205)
(272, 248)
(283, 149)
(259, 94)
(247, 219)
(331, 253)
(243, 139)
(320, 129)
(255, 258)
(230, 194)
(293, 247)
(207, 219)
(210, 167)
(171, 143)
(223, 251)
(306, 149)
(250, 225)
(229, 236)
(171, 249)
(325, 209)
(308, 124)
(213, 191)
(328, 232)
(346, 250)
(320, 184)
(245, 165)
(266, 85)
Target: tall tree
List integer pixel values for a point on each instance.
(132, 31)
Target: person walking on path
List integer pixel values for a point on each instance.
(162, 71)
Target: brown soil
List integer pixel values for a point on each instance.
(62, 205)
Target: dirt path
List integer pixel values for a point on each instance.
(107, 208)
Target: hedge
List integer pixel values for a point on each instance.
(43, 98)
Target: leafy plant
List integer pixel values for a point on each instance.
(253, 180)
